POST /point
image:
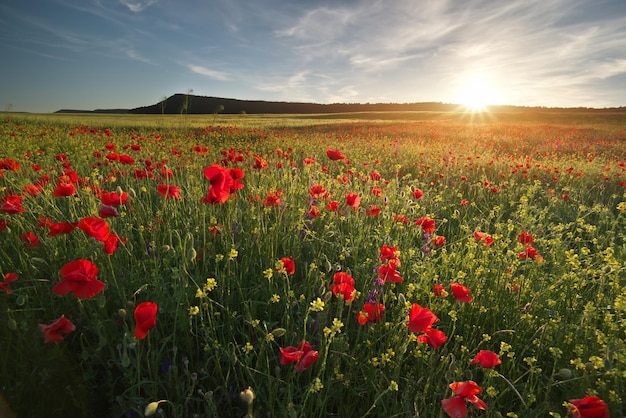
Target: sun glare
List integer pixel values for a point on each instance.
(476, 94)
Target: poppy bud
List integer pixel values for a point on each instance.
(278, 332)
(565, 374)
(192, 254)
(12, 324)
(401, 299)
(247, 396)
(152, 408)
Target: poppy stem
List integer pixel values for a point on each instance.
(514, 390)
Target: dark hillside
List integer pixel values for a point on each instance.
(209, 105)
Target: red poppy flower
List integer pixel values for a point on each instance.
(126, 159)
(487, 359)
(51, 332)
(484, 237)
(306, 360)
(334, 154)
(79, 277)
(95, 227)
(259, 162)
(64, 190)
(31, 240)
(372, 211)
(110, 245)
(4, 224)
(401, 219)
(288, 264)
(460, 292)
(417, 194)
(465, 391)
(343, 277)
(353, 200)
(221, 183)
(455, 407)
(145, 318)
(9, 164)
(529, 252)
(314, 212)
(389, 274)
(106, 211)
(433, 338)
(273, 198)
(11, 204)
(32, 190)
(427, 224)
(420, 319)
(303, 355)
(44, 222)
(343, 285)
(439, 241)
(439, 290)
(389, 253)
(169, 191)
(525, 238)
(8, 279)
(333, 206)
(290, 354)
(317, 191)
(464, 202)
(236, 174)
(61, 228)
(371, 312)
(114, 198)
(589, 407)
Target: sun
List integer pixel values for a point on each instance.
(476, 93)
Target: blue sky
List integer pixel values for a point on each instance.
(89, 54)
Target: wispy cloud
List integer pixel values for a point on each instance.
(519, 46)
(132, 54)
(284, 84)
(217, 75)
(137, 5)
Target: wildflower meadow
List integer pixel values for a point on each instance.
(191, 266)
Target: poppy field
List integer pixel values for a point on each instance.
(294, 267)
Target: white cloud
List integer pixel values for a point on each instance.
(137, 5)
(217, 75)
(132, 54)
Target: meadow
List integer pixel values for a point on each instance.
(382, 265)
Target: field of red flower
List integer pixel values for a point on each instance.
(304, 269)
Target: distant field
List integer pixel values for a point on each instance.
(395, 264)
(603, 118)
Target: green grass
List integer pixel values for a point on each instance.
(557, 321)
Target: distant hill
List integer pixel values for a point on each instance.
(209, 105)
(182, 103)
